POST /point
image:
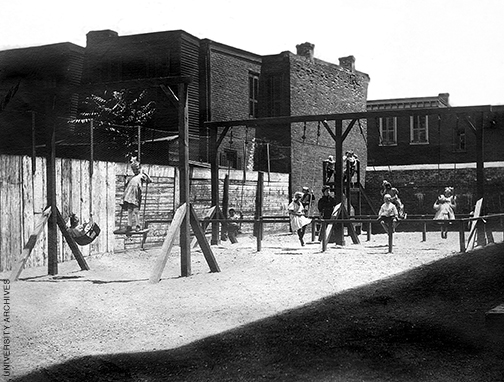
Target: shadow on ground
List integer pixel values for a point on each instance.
(423, 325)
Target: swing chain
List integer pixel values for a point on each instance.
(304, 132)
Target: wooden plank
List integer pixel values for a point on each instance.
(16, 226)
(30, 244)
(335, 214)
(205, 247)
(72, 188)
(85, 207)
(71, 243)
(272, 122)
(209, 214)
(98, 204)
(64, 201)
(39, 256)
(4, 213)
(59, 204)
(474, 223)
(168, 244)
(351, 230)
(28, 202)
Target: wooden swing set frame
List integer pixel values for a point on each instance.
(185, 216)
(338, 135)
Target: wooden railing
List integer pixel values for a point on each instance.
(483, 227)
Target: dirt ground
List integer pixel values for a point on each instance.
(289, 313)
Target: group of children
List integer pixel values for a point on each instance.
(391, 211)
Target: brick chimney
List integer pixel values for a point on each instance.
(444, 99)
(306, 50)
(96, 37)
(347, 63)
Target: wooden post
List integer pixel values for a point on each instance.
(269, 161)
(185, 248)
(225, 206)
(225, 197)
(359, 194)
(348, 187)
(369, 231)
(259, 235)
(259, 203)
(323, 235)
(52, 228)
(390, 238)
(214, 181)
(424, 230)
(338, 176)
(462, 235)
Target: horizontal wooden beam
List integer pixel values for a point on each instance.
(356, 115)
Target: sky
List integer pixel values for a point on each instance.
(409, 48)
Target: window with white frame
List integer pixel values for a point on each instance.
(388, 131)
(419, 129)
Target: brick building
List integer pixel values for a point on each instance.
(227, 84)
(299, 84)
(137, 63)
(422, 154)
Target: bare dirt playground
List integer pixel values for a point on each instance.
(287, 313)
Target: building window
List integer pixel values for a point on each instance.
(460, 139)
(274, 96)
(388, 131)
(419, 129)
(253, 94)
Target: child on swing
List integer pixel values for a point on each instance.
(132, 197)
(388, 214)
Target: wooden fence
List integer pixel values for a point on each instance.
(23, 198)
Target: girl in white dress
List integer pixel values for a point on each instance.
(298, 220)
(445, 209)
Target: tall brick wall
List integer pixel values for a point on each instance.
(229, 100)
(318, 87)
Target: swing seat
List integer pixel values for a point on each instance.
(123, 231)
(88, 234)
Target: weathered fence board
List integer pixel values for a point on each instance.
(23, 199)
